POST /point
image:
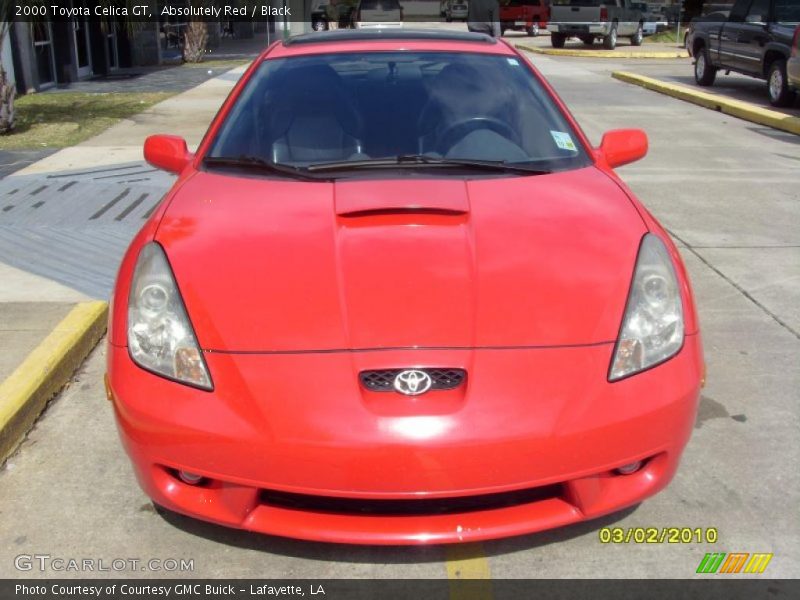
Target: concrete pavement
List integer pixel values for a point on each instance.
(31, 307)
(64, 224)
(14, 160)
(728, 192)
(89, 200)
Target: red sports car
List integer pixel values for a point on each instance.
(396, 297)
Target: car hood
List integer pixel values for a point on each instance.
(269, 265)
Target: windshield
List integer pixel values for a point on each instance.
(309, 110)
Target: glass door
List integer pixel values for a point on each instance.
(80, 36)
(112, 49)
(43, 52)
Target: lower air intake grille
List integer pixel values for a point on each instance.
(420, 507)
(382, 380)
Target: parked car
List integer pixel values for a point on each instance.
(589, 20)
(713, 17)
(456, 10)
(320, 16)
(529, 16)
(755, 40)
(793, 66)
(422, 310)
(653, 25)
(379, 13)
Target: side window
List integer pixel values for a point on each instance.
(739, 11)
(759, 12)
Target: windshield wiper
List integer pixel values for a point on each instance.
(422, 159)
(254, 162)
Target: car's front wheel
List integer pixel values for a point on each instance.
(533, 30)
(319, 25)
(778, 85)
(704, 72)
(557, 40)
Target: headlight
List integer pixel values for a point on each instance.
(652, 329)
(160, 336)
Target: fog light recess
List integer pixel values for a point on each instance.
(630, 468)
(190, 478)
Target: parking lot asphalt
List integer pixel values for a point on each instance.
(729, 193)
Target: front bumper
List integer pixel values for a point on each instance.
(290, 444)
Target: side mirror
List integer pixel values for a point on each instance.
(623, 146)
(167, 152)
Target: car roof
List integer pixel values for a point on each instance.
(387, 39)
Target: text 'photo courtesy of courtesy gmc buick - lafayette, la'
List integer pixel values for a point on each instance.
(756, 39)
(588, 20)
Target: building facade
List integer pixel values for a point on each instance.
(46, 53)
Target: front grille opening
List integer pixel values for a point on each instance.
(382, 380)
(409, 508)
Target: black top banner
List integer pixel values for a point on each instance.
(346, 13)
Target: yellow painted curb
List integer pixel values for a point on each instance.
(729, 106)
(24, 394)
(586, 53)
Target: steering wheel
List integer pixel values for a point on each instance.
(453, 133)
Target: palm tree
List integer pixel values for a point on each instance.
(195, 41)
(8, 90)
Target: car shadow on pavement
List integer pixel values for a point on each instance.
(777, 134)
(348, 553)
(744, 89)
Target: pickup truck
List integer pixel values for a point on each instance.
(591, 19)
(755, 39)
(524, 15)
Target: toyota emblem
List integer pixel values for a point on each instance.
(412, 382)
